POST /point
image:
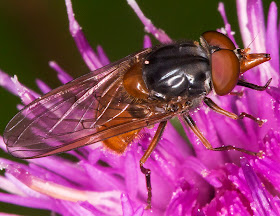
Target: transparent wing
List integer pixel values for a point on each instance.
(84, 111)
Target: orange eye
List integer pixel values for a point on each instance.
(218, 39)
(225, 71)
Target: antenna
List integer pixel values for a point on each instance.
(253, 40)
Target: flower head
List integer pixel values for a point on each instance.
(186, 180)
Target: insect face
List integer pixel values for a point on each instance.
(227, 61)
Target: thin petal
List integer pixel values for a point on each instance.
(221, 9)
(63, 76)
(15, 87)
(139, 211)
(262, 202)
(57, 191)
(94, 211)
(27, 201)
(243, 21)
(229, 203)
(198, 167)
(183, 201)
(126, 205)
(147, 42)
(272, 43)
(159, 34)
(89, 56)
(25, 95)
(131, 174)
(256, 25)
(44, 88)
(102, 55)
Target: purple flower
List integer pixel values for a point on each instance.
(186, 180)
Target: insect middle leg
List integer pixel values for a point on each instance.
(220, 110)
(190, 122)
(148, 152)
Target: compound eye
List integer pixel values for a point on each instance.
(225, 71)
(218, 39)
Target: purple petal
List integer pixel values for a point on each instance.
(270, 145)
(6, 83)
(199, 212)
(268, 168)
(20, 107)
(61, 167)
(268, 165)
(31, 202)
(243, 21)
(228, 203)
(139, 211)
(7, 214)
(102, 56)
(25, 181)
(272, 43)
(262, 202)
(15, 87)
(25, 95)
(172, 136)
(197, 166)
(126, 205)
(182, 201)
(131, 174)
(147, 42)
(221, 9)
(279, 32)
(91, 208)
(44, 88)
(251, 22)
(275, 93)
(44, 189)
(2, 145)
(89, 56)
(108, 182)
(159, 34)
(8, 186)
(77, 209)
(63, 76)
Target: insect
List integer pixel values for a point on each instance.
(113, 103)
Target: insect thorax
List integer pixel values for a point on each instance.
(177, 70)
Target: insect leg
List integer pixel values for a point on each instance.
(148, 152)
(253, 86)
(237, 93)
(220, 110)
(190, 122)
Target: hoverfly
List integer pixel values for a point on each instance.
(113, 103)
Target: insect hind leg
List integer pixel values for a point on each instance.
(147, 154)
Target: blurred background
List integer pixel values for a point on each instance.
(34, 32)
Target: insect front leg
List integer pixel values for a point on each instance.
(148, 152)
(190, 122)
(220, 110)
(253, 86)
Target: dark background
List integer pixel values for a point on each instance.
(34, 32)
